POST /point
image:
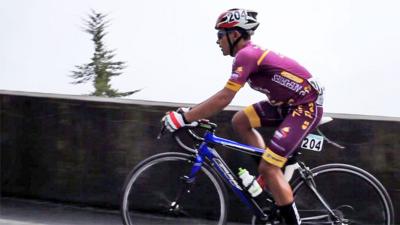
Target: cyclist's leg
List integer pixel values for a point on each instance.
(281, 190)
(299, 121)
(259, 114)
(245, 121)
(246, 131)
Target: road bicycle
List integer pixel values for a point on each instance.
(190, 188)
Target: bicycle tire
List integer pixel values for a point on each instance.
(172, 166)
(366, 202)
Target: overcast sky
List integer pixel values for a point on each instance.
(352, 46)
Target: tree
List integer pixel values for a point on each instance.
(102, 67)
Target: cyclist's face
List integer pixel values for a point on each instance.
(222, 41)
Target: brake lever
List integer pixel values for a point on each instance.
(161, 131)
(191, 125)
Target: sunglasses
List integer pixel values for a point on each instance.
(221, 34)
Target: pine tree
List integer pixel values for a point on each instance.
(102, 67)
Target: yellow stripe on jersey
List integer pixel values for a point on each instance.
(233, 86)
(292, 77)
(252, 116)
(259, 61)
(274, 158)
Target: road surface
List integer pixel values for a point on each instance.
(28, 212)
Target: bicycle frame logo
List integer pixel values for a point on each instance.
(220, 164)
(227, 173)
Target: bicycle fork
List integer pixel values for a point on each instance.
(186, 187)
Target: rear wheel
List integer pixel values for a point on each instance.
(157, 192)
(353, 195)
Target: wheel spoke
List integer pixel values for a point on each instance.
(353, 196)
(156, 193)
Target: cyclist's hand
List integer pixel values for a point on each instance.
(183, 109)
(173, 121)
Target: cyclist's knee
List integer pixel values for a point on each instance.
(240, 121)
(268, 170)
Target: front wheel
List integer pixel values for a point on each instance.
(353, 195)
(157, 191)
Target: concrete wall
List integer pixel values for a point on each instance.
(61, 148)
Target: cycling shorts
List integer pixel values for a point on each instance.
(293, 124)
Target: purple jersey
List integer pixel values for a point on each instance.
(283, 80)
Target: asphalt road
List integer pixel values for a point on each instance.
(28, 212)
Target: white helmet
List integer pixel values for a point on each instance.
(238, 18)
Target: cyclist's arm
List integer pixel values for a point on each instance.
(211, 106)
(244, 64)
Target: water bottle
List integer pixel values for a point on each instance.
(249, 182)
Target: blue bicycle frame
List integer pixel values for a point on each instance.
(206, 152)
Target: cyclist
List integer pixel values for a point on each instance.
(294, 102)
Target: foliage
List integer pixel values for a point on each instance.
(102, 67)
